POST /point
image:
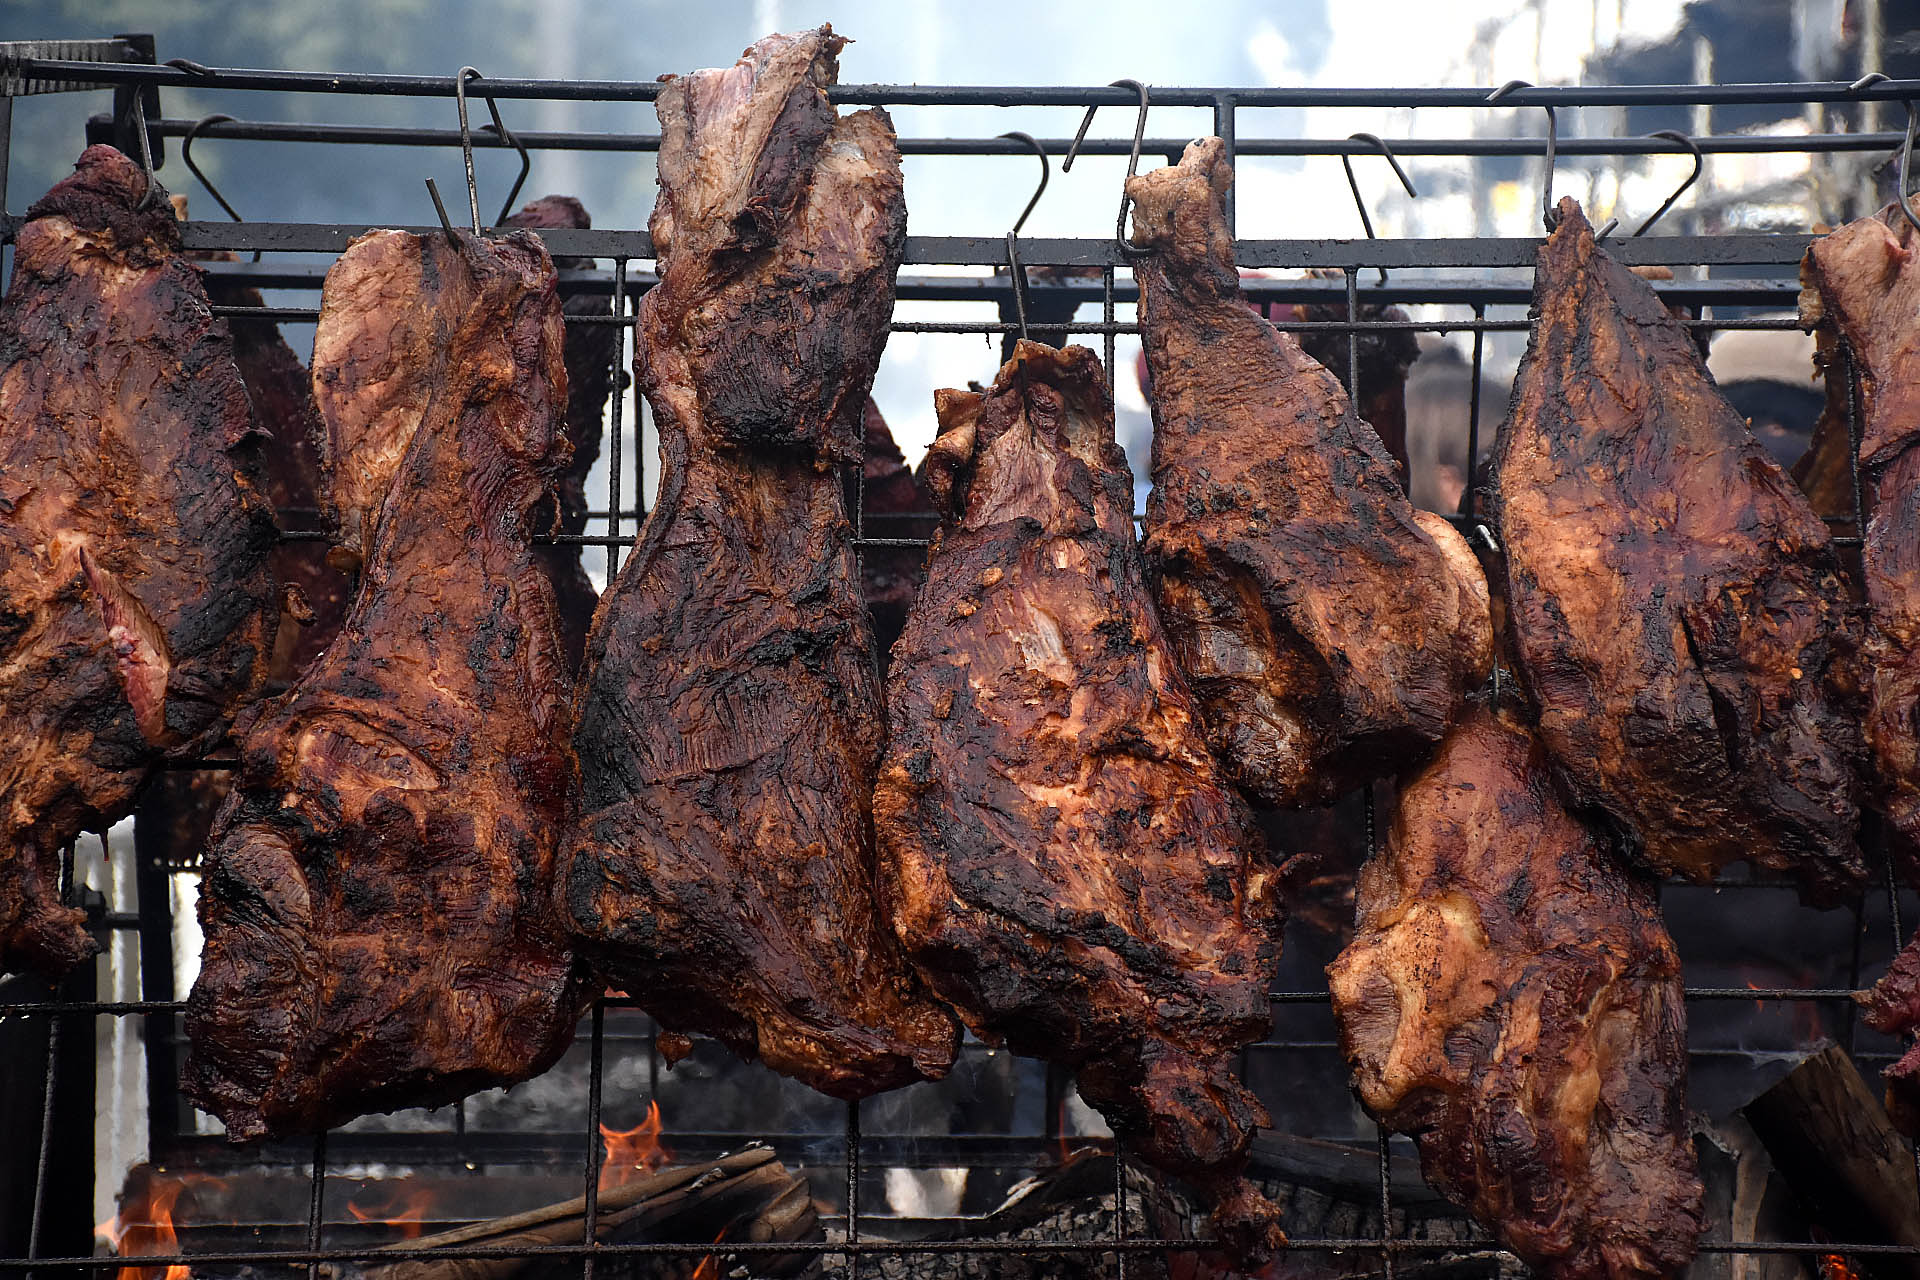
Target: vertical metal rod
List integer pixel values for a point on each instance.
(316, 1203)
(1223, 127)
(1353, 337)
(613, 432)
(1473, 413)
(853, 1190)
(1120, 1232)
(596, 1058)
(1386, 1198)
(1106, 317)
(46, 1140)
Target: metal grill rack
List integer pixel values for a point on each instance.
(1752, 276)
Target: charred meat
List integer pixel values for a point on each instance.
(376, 902)
(1676, 606)
(137, 600)
(1329, 630)
(1513, 1001)
(1067, 866)
(730, 721)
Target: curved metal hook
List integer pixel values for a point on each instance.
(1127, 247)
(1017, 271)
(1547, 212)
(1046, 171)
(1346, 162)
(1699, 162)
(1906, 168)
(186, 156)
(526, 161)
(466, 139)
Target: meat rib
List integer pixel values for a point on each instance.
(589, 354)
(1513, 1001)
(376, 902)
(1330, 631)
(1065, 862)
(1676, 605)
(730, 723)
(137, 604)
(1861, 288)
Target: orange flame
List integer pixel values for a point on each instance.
(1834, 1266)
(144, 1225)
(404, 1210)
(634, 1153)
(709, 1268)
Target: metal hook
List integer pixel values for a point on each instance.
(1699, 162)
(1871, 78)
(526, 161)
(1046, 171)
(466, 140)
(1547, 213)
(1015, 269)
(1906, 168)
(1133, 160)
(146, 154)
(1346, 162)
(186, 156)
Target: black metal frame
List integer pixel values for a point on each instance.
(20, 72)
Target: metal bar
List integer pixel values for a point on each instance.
(1223, 128)
(853, 1190)
(1597, 147)
(613, 432)
(46, 1142)
(1753, 291)
(1473, 413)
(363, 83)
(596, 1061)
(6, 148)
(317, 1203)
(1775, 249)
(1353, 397)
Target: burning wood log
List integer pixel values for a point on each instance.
(747, 1197)
(1831, 1140)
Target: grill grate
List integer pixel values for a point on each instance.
(64, 1013)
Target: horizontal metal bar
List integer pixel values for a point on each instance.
(348, 82)
(876, 1248)
(400, 136)
(1756, 292)
(1781, 249)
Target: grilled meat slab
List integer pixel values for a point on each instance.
(1066, 863)
(589, 354)
(1330, 631)
(730, 722)
(137, 602)
(1892, 1007)
(1861, 288)
(1676, 605)
(377, 895)
(1512, 1000)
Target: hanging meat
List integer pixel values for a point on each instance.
(1066, 863)
(1861, 291)
(1513, 1002)
(589, 354)
(730, 720)
(177, 808)
(137, 602)
(1676, 606)
(376, 901)
(1330, 630)
(892, 504)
